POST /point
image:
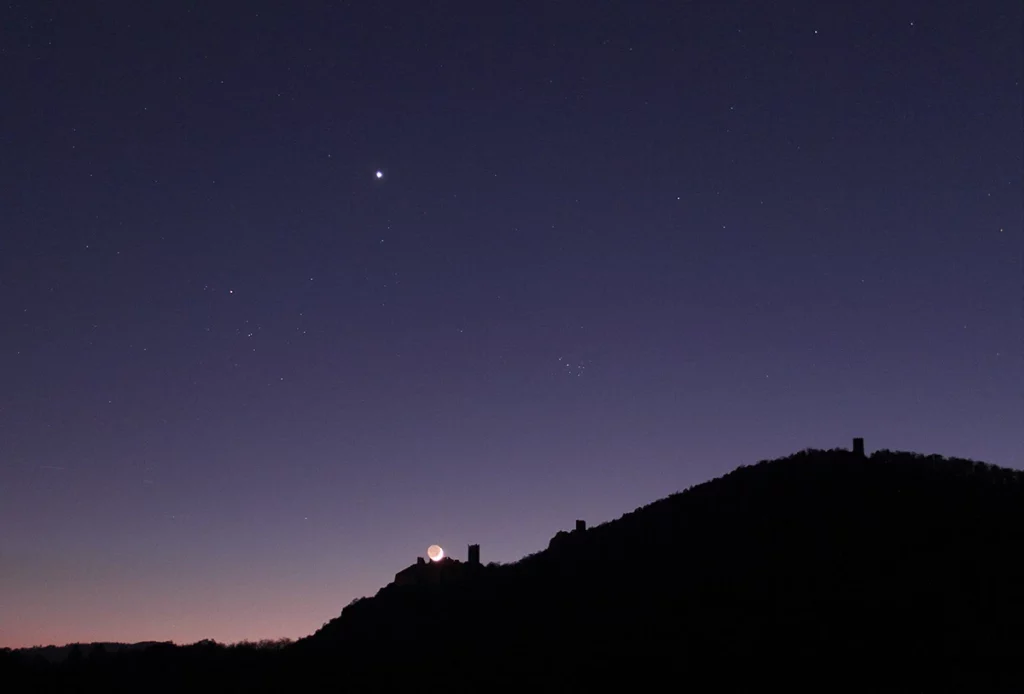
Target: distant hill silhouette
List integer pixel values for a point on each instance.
(889, 573)
(77, 651)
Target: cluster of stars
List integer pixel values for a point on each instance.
(572, 368)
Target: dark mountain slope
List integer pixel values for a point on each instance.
(897, 572)
(897, 560)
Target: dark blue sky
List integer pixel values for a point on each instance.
(617, 249)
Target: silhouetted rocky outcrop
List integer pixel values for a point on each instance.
(883, 563)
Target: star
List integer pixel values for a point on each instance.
(379, 175)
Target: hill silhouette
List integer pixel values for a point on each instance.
(894, 571)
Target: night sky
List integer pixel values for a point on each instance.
(616, 249)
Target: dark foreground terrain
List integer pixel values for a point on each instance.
(897, 572)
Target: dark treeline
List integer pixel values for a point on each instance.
(894, 572)
(160, 666)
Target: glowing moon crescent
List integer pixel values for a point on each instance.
(435, 553)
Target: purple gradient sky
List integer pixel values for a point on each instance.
(617, 250)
